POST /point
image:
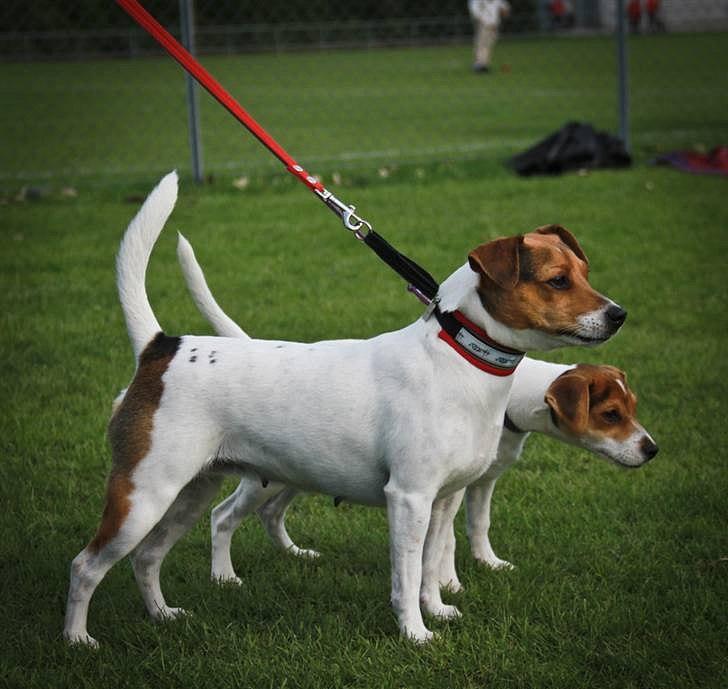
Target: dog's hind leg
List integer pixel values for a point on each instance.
(143, 510)
(147, 557)
(443, 514)
(226, 517)
(137, 498)
(273, 515)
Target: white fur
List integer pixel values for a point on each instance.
(133, 258)
(201, 294)
(399, 420)
(526, 407)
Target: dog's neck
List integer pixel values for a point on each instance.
(527, 408)
(475, 346)
(461, 315)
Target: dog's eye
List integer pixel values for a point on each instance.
(559, 282)
(612, 416)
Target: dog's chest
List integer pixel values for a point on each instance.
(472, 459)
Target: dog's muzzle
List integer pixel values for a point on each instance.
(648, 448)
(615, 317)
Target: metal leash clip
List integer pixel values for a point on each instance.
(349, 218)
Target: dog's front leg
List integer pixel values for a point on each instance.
(437, 542)
(409, 518)
(478, 524)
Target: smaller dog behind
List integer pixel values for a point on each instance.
(584, 405)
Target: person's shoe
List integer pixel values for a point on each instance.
(481, 69)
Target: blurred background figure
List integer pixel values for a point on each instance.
(634, 14)
(486, 15)
(561, 13)
(654, 22)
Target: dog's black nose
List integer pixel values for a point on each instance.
(616, 315)
(649, 449)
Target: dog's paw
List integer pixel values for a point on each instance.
(165, 614)
(419, 636)
(226, 579)
(452, 585)
(496, 563)
(305, 553)
(445, 612)
(84, 639)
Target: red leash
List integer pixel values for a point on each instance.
(489, 356)
(351, 221)
(421, 283)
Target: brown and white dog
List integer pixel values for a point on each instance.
(590, 406)
(406, 419)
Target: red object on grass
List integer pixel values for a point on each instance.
(713, 163)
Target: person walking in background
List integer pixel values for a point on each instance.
(486, 15)
(562, 14)
(634, 14)
(654, 23)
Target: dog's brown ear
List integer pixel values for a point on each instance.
(568, 398)
(566, 237)
(498, 260)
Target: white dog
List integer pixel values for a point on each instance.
(584, 405)
(405, 419)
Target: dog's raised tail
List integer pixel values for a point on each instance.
(201, 294)
(133, 258)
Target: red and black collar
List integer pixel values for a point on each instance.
(473, 344)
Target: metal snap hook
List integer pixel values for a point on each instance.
(349, 218)
(354, 223)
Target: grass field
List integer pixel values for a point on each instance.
(105, 119)
(621, 577)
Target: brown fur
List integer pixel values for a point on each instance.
(514, 279)
(580, 398)
(129, 433)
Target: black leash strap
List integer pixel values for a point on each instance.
(508, 423)
(419, 280)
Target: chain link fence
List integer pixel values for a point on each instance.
(87, 94)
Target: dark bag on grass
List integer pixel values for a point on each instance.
(575, 146)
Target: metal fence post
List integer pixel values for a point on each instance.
(187, 25)
(622, 75)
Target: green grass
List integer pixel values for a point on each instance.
(622, 576)
(115, 118)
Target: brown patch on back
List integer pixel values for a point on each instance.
(593, 401)
(528, 301)
(129, 433)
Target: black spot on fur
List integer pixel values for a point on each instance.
(193, 358)
(161, 347)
